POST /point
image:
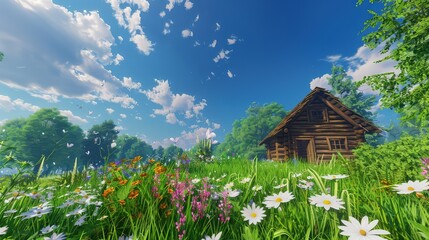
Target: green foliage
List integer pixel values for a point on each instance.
(347, 91)
(48, 133)
(12, 135)
(248, 132)
(401, 29)
(171, 152)
(97, 144)
(131, 146)
(395, 161)
(204, 150)
(1, 56)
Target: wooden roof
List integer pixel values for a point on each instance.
(331, 101)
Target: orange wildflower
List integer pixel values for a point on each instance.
(160, 169)
(137, 182)
(133, 194)
(123, 182)
(112, 164)
(107, 192)
(143, 175)
(136, 159)
(122, 202)
(167, 213)
(163, 206)
(170, 191)
(152, 160)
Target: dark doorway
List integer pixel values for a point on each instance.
(304, 149)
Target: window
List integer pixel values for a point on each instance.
(337, 144)
(317, 116)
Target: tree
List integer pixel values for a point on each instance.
(97, 144)
(48, 133)
(11, 133)
(401, 29)
(1, 56)
(171, 152)
(129, 146)
(347, 91)
(248, 132)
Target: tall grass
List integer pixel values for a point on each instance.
(153, 213)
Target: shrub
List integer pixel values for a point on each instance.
(395, 161)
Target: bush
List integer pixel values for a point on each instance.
(395, 162)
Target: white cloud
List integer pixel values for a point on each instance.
(67, 56)
(216, 125)
(197, 18)
(217, 27)
(167, 26)
(119, 58)
(321, 82)
(333, 58)
(131, 21)
(72, 118)
(162, 14)
(171, 4)
(173, 104)
(187, 33)
(222, 55)
(188, 4)
(232, 40)
(186, 140)
(122, 115)
(109, 110)
(213, 44)
(119, 128)
(120, 38)
(138, 118)
(143, 44)
(7, 104)
(128, 83)
(362, 64)
(230, 75)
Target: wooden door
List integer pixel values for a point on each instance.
(304, 149)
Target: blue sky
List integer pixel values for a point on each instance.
(174, 68)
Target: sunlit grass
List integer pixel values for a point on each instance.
(153, 201)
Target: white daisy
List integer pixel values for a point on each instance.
(412, 186)
(295, 175)
(48, 229)
(3, 230)
(257, 188)
(232, 193)
(228, 185)
(80, 221)
(305, 184)
(245, 180)
(213, 237)
(361, 230)
(281, 186)
(196, 180)
(326, 201)
(55, 236)
(334, 176)
(253, 214)
(275, 200)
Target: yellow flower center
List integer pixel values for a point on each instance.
(362, 232)
(410, 188)
(326, 202)
(278, 199)
(253, 215)
(334, 177)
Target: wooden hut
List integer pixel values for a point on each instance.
(318, 127)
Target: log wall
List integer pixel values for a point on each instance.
(283, 145)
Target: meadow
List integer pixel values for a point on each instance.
(230, 198)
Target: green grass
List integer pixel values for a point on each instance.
(154, 212)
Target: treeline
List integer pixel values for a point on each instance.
(47, 133)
